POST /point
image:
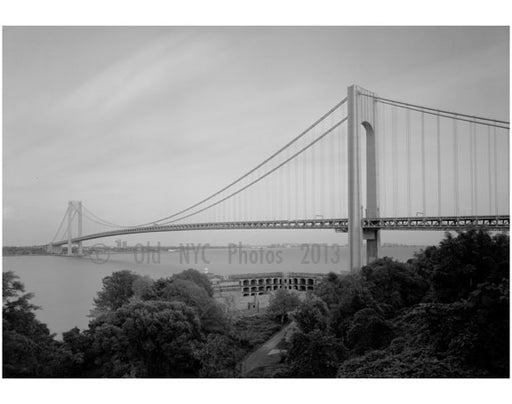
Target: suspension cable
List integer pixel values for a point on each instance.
(61, 224)
(104, 222)
(254, 169)
(263, 176)
(434, 110)
(90, 218)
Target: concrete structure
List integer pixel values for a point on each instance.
(74, 209)
(361, 114)
(253, 291)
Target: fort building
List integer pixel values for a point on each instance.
(252, 292)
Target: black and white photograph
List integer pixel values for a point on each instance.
(243, 202)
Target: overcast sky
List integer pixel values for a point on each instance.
(140, 122)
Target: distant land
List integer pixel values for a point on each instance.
(41, 250)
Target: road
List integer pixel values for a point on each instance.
(267, 354)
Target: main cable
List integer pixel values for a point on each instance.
(434, 110)
(263, 176)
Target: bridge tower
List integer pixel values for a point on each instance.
(74, 208)
(362, 114)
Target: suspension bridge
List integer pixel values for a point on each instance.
(369, 164)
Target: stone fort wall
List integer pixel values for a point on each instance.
(252, 292)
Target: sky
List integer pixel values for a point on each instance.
(140, 122)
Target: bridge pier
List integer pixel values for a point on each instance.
(53, 249)
(361, 113)
(372, 237)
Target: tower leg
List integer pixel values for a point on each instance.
(70, 217)
(355, 231)
(372, 210)
(361, 112)
(80, 247)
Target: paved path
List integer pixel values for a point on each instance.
(265, 355)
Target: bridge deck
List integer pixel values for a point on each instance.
(339, 225)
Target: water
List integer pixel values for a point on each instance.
(65, 286)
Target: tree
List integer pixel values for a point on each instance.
(460, 263)
(219, 357)
(354, 296)
(198, 278)
(117, 291)
(174, 289)
(147, 339)
(29, 350)
(368, 331)
(459, 329)
(314, 354)
(311, 314)
(142, 286)
(281, 303)
(330, 289)
(393, 285)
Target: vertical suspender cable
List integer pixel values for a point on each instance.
(322, 160)
(332, 172)
(305, 184)
(438, 165)
(234, 211)
(289, 185)
(277, 190)
(277, 193)
(362, 158)
(235, 206)
(341, 168)
(471, 169)
(456, 167)
(381, 137)
(313, 181)
(475, 170)
(489, 169)
(248, 199)
(224, 212)
(423, 179)
(296, 199)
(241, 203)
(394, 161)
(408, 153)
(284, 191)
(495, 172)
(507, 169)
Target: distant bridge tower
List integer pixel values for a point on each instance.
(362, 113)
(74, 209)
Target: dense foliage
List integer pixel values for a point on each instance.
(444, 313)
(29, 350)
(140, 327)
(282, 302)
